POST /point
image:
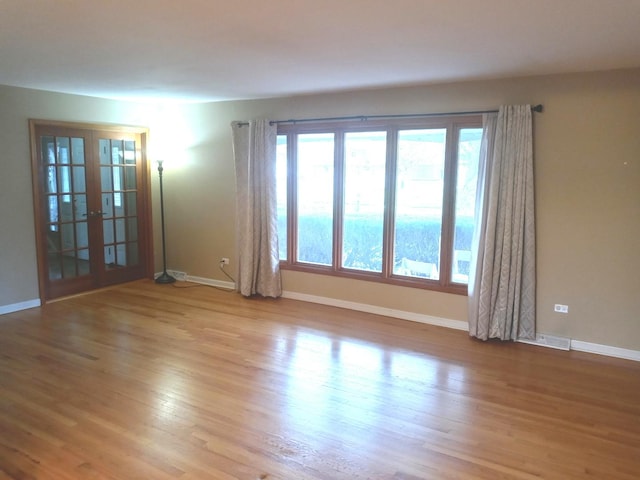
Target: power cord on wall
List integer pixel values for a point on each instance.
(222, 264)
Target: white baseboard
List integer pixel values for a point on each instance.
(607, 350)
(16, 307)
(388, 312)
(183, 277)
(543, 340)
(211, 282)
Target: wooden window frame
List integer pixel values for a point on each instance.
(453, 124)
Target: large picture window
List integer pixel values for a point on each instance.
(385, 201)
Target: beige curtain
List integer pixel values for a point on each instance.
(502, 283)
(254, 149)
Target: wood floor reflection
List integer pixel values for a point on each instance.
(159, 382)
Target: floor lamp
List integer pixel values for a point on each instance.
(164, 277)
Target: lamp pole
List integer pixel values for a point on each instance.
(164, 277)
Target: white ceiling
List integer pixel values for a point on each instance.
(210, 50)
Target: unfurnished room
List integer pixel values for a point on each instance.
(299, 240)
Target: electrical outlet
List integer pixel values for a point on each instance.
(561, 308)
(224, 261)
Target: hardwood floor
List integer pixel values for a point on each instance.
(147, 381)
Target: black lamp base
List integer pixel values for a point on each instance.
(165, 278)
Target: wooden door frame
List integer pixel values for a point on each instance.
(37, 176)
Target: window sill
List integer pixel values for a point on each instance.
(398, 280)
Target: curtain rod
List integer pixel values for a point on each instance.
(535, 108)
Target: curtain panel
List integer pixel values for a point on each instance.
(254, 149)
(502, 284)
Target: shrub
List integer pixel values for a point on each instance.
(417, 239)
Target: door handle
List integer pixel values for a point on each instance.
(97, 213)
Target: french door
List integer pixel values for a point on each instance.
(92, 206)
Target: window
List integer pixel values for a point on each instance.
(314, 198)
(363, 205)
(391, 202)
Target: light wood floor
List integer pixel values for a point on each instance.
(148, 381)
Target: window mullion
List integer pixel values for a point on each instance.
(389, 203)
(448, 205)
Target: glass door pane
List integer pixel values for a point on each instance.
(119, 191)
(67, 235)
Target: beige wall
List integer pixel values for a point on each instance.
(587, 170)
